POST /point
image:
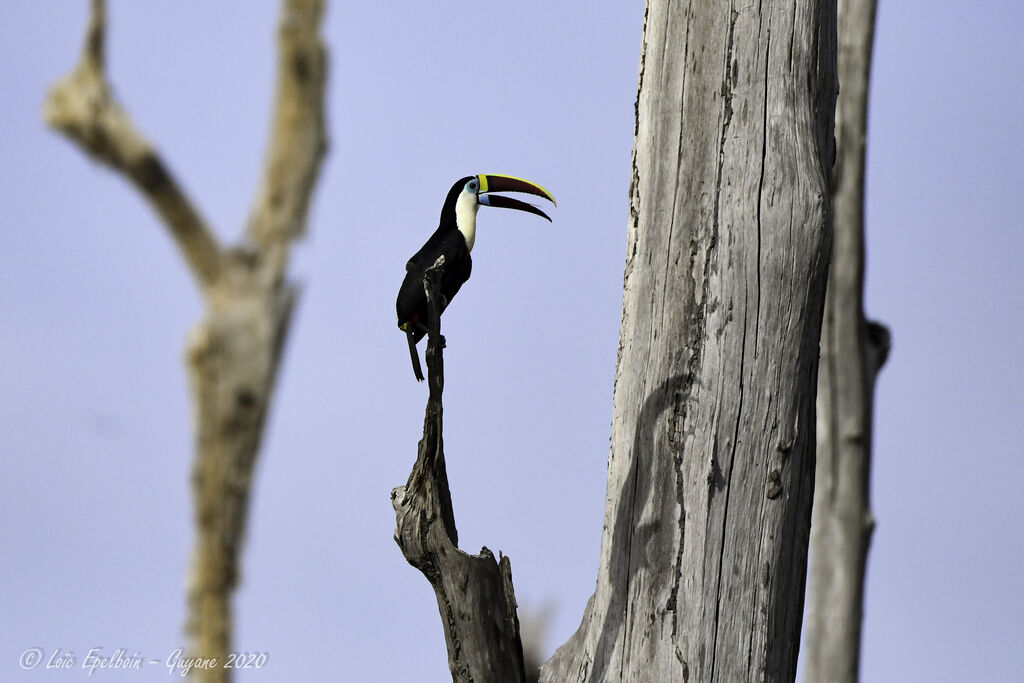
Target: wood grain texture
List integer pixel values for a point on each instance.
(474, 593)
(234, 353)
(710, 478)
(852, 352)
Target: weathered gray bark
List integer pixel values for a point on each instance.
(852, 352)
(234, 353)
(710, 477)
(474, 593)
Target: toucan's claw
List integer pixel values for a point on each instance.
(416, 369)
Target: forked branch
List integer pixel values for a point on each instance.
(83, 107)
(298, 139)
(474, 592)
(234, 353)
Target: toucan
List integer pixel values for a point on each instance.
(454, 239)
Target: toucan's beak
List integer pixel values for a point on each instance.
(504, 183)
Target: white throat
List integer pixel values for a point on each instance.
(465, 217)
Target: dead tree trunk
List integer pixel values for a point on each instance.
(234, 352)
(852, 352)
(474, 593)
(710, 476)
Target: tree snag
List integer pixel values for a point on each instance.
(852, 352)
(474, 593)
(711, 469)
(234, 352)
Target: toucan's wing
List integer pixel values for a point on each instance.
(450, 242)
(455, 276)
(411, 304)
(434, 245)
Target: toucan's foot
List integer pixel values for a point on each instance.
(416, 369)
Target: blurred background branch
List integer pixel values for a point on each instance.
(234, 352)
(852, 353)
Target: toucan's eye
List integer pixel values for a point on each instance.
(472, 185)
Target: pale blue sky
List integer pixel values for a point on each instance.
(95, 433)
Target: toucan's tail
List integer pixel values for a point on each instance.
(416, 369)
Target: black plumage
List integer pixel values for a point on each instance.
(450, 241)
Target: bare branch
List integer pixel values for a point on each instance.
(82, 106)
(234, 353)
(534, 625)
(233, 358)
(853, 350)
(474, 592)
(298, 137)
